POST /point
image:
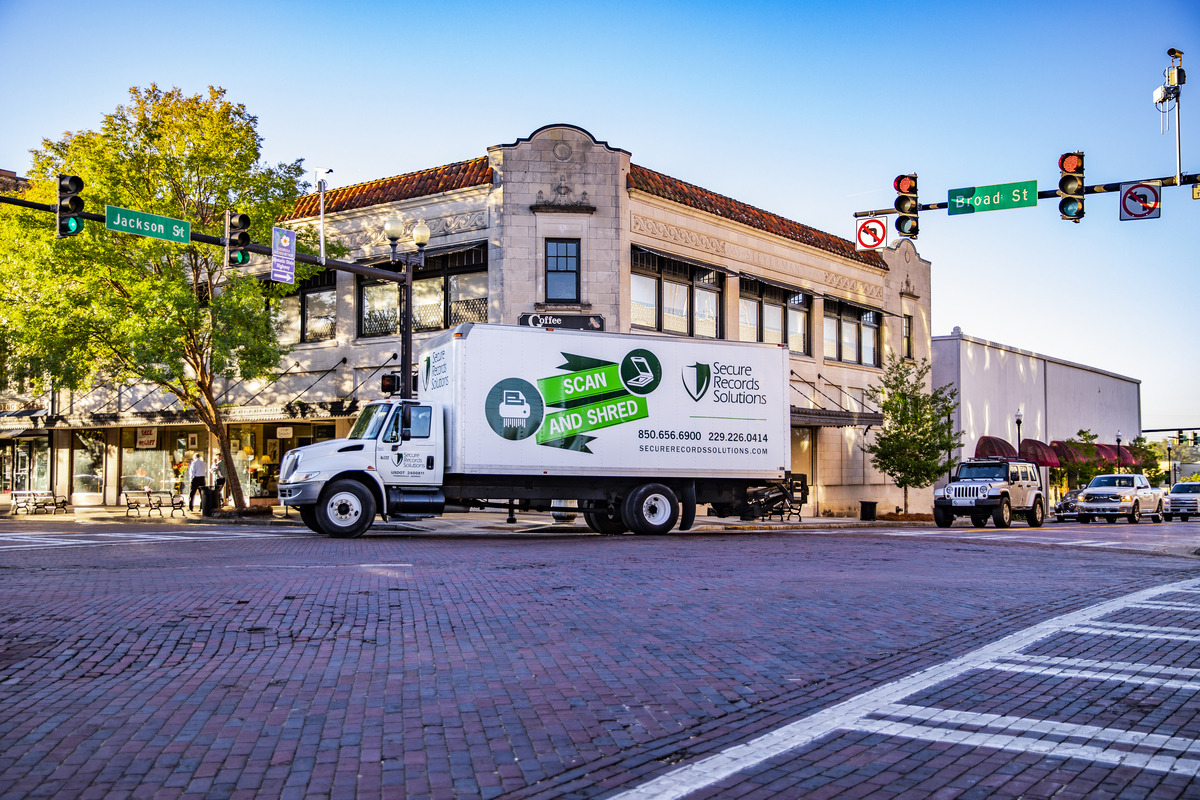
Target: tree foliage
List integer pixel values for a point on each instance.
(106, 306)
(913, 447)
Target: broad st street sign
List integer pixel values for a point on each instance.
(140, 223)
(997, 197)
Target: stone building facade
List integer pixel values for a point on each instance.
(561, 226)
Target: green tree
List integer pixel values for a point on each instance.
(913, 447)
(1147, 459)
(124, 308)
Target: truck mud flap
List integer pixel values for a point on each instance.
(687, 506)
(415, 501)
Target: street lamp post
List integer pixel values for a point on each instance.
(1020, 417)
(393, 229)
(1118, 451)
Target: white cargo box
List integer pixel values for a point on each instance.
(530, 401)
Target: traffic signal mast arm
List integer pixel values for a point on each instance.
(1099, 188)
(262, 250)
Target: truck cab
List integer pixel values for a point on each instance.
(391, 462)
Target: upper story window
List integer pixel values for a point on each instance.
(774, 315)
(851, 333)
(674, 297)
(309, 314)
(906, 349)
(562, 271)
(449, 290)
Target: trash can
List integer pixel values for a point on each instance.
(868, 510)
(208, 501)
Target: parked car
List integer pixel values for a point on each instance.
(1183, 501)
(996, 487)
(1116, 496)
(1064, 509)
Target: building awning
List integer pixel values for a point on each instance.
(787, 287)
(23, 433)
(989, 446)
(430, 252)
(1039, 453)
(683, 259)
(821, 418)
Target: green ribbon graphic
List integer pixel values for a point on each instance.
(605, 414)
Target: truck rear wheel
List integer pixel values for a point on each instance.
(603, 521)
(651, 509)
(308, 515)
(346, 509)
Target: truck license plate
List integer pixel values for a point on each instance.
(964, 501)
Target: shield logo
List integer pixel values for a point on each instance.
(696, 380)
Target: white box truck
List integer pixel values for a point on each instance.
(638, 429)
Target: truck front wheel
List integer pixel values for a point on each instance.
(346, 509)
(308, 515)
(604, 522)
(942, 518)
(651, 509)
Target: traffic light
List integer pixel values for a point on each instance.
(237, 237)
(1196, 440)
(391, 383)
(1070, 186)
(70, 206)
(907, 205)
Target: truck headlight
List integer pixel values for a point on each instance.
(983, 491)
(301, 477)
(1083, 498)
(1125, 498)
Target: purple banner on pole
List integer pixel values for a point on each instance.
(283, 255)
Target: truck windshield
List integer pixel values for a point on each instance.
(1119, 481)
(1186, 488)
(368, 422)
(982, 471)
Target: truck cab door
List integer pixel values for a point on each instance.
(411, 455)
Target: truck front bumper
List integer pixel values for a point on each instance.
(1100, 509)
(299, 494)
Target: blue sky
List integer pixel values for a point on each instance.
(805, 109)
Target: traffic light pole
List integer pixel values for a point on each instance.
(262, 250)
(1099, 188)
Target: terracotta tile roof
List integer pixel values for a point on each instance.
(686, 194)
(475, 172)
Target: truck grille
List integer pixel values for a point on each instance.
(1179, 504)
(968, 491)
(1102, 498)
(288, 466)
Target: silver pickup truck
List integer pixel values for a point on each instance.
(1116, 496)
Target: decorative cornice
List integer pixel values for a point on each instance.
(853, 285)
(671, 233)
(448, 225)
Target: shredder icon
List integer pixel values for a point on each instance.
(514, 409)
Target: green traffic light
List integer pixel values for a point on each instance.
(239, 258)
(1070, 208)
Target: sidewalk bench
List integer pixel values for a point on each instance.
(156, 500)
(34, 501)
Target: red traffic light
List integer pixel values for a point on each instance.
(1071, 162)
(906, 184)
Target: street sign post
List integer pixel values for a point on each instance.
(997, 197)
(283, 255)
(140, 223)
(871, 233)
(1142, 200)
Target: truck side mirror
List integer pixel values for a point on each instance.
(405, 422)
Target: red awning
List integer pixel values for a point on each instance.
(993, 446)
(1069, 452)
(1039, 453)
(1107, 452)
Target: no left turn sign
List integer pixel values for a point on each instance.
(1141, 200)
(871, 233)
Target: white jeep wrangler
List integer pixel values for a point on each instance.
(993, 487)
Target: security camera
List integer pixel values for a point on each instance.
(1173, 53)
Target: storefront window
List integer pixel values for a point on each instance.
(673, 296)
(772, 324)
(157, 458)
(87, 454)
(644, 300)
(676, 302)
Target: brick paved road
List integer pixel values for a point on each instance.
(273, 663)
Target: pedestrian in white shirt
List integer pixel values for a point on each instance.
(196, 471)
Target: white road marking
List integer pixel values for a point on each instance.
(1093, 675)
(854, 714)
(33, 541)
(1114, 666)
